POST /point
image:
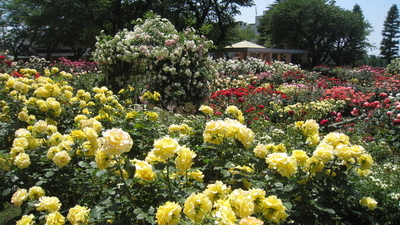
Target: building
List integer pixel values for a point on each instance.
(246, 49)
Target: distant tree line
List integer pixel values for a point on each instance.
(76, 23)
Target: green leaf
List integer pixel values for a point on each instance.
(49, 173)
(96, 211)
(100, 173)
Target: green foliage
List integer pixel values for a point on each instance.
(391, 34)
(394, 66)
(328, 32)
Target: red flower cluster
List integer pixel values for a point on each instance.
(349, 94)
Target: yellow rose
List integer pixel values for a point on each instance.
(26, 220)
(78, 215)
(54, 70)
(22, 160)
(197, 206)
(283, 163)
(206, 110)
(104, 160)
(250, 221)
(54, 218)
(217, 191)
(241, 202)
(168, 214)
(116, 141)
(90, 133)
(50, 204)
(36, 192)
(19, 197)
(224, 212)
(300, 156)
(185, 158)
(61, 158)
(144, 170)
(369, 202)
(273, 209)
(165, 148)
(52, 152)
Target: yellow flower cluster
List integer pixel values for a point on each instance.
(182, 129)
(147, 95)
(310, 129)
(206, 110)
(226, 206)
(315, 109)
(369, 202)
(166, 148)
(262, 150)
(235, 112)
(218, 131)
(76, 215)
(283, 163)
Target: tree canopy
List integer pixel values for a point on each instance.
(391, 34)
(76, 23)
(328, 32)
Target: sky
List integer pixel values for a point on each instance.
(375, 11)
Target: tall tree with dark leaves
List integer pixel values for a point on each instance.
(391, 35)
(76, 23)
(325, 30)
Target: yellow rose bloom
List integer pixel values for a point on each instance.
(300, 156)
(217, 191)
(26, 220)
(168, 214)
(116, 141)
(40, 126)
(55, 139)
(152, 116)
(90, 133)
(78, 134)
(323, 152)
(50, 204)
(260, 151)
(144, 170)
(197, 207)
(104, 160)
(206, 110)
(22, 160)
(20, 142)
(250, 221)
(55, 218)
(257, 195)
(232, 110)
(165, 147)
(369, 202)
(51, 152)
(196, 175)
(283, 163)
(224, 213)
(310, 128)
(54, 70)
(365, 161)
(23, 116)
(241, 202)
(36, 192)
(273, 209)
(78, 215)
(19, 197)
(61, 158)
(335, 139)
(185, 158)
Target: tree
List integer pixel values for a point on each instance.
(75, 23)
(326, 31)
(391, 34)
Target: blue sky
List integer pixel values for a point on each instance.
(375, 11)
